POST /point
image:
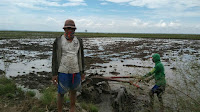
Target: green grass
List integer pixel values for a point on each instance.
(36, 109)
(7, 86)
(10, 95)
(36, 34)
(27, 34)
(93, 108)
(84, 105)
(89, 107)
(30, 93)
(49, 96)
(138, 35)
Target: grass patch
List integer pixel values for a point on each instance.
(10, 96)
(89, 107)
(49, 96)
(30, 93)
(7, 86)
(140, 35)
(27, 34)
(37, 109)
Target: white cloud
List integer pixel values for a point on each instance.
(96, 24)
(51, 19)
(161, 24)
(74, 4)
(133, 25)
(118, 1)
(174, 24)
(30, 6)
(138, 23)
(176, 4)
(51, 3)
(42, 4)
(171, 24)
(104, 3)
(164, 14)
(149, 3)
(76, 0)
(112, 23)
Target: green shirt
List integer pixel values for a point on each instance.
(157, 71)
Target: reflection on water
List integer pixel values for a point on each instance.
(110, 56)
(125, 56)
(24, 67)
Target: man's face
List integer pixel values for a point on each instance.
(69, 32)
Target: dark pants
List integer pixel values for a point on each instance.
(159, 90)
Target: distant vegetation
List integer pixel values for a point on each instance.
(138, 35)
(34, 34)
(27, 34)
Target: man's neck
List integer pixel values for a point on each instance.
(69, 40)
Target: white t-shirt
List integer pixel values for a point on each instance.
(69, 59)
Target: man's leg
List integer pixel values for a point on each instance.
(151, 95)
(161, 103)
(60, 102)
(72, 100)
(159, 95)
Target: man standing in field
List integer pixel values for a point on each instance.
(159, 76)
(68, 64)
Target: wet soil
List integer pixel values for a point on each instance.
(112, 97)
(99, 55)
(38, 80)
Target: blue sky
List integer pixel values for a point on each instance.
(113, 16)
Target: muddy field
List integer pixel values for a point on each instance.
(28, 62)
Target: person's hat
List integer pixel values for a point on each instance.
(69, 23)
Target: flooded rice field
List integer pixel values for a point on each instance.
(28, 61)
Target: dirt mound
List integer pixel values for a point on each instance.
(100, 93)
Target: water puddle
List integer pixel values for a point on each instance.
(107, 56)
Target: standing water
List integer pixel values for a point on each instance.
(28, 59)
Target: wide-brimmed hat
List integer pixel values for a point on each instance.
(69, 23)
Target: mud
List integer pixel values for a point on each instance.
(35, 80)
(111, 97)
(28, 62)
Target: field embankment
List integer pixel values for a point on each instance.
(36, 34)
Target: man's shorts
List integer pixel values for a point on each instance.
(158, 89)
(68, 82)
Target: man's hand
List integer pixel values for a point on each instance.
(141, 79)
(55, 80)
(82, 76)
(147, 80)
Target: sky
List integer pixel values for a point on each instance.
(107, 16)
